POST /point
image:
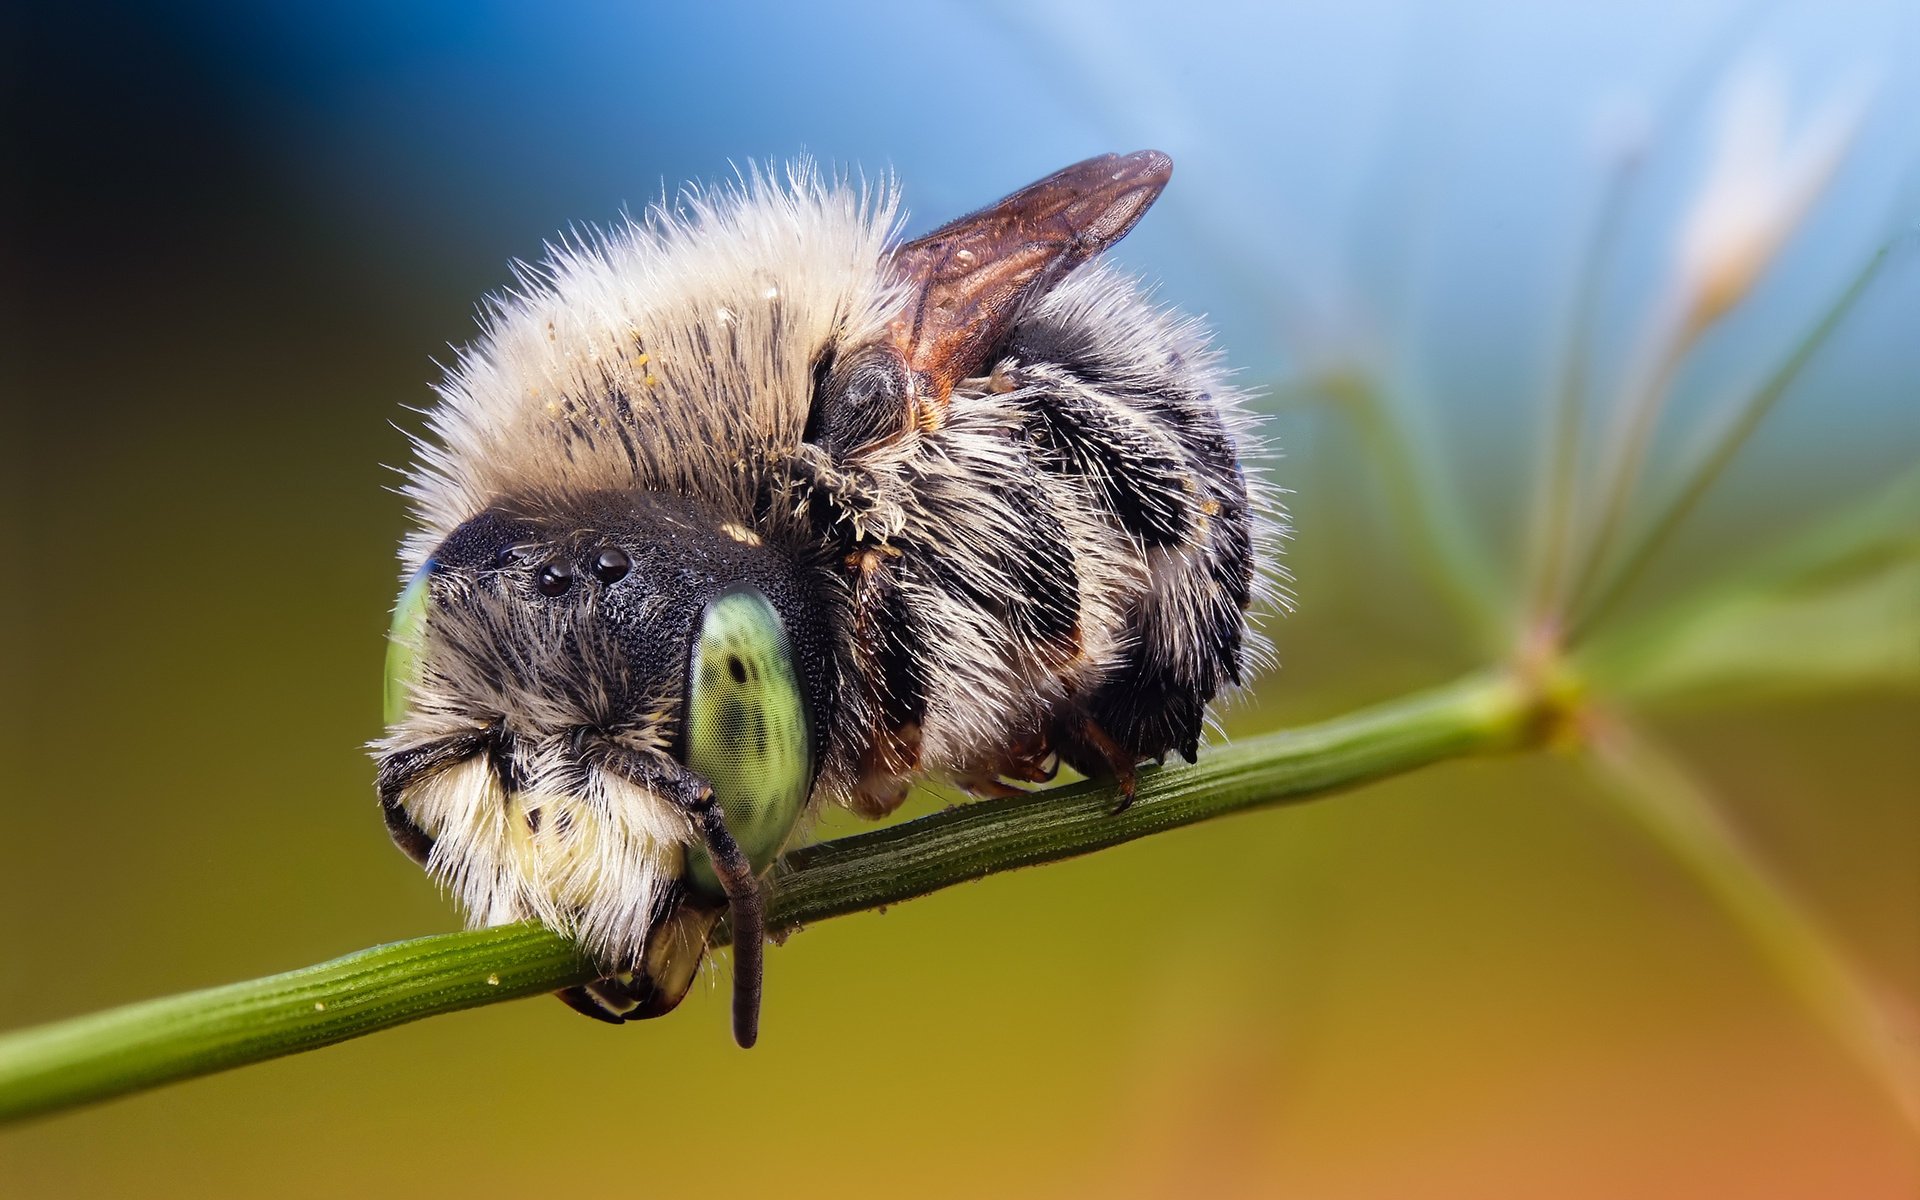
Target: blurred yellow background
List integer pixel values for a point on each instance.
(240, 235)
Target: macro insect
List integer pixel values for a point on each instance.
(744, 509)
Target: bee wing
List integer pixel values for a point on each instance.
(973, 275)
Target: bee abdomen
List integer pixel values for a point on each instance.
(1139, 474)
(1126, 405)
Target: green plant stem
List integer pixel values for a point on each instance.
(1437, 534)
(1656, 792)
(1724, 441)
(1557, 488)
(144, 1045)
(1635, 418)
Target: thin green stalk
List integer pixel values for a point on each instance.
(1632, 434)
(1436, 531)
(1657, 793)
(1556, 488)
(1725, 441)
(1732, 633)
(125, 1050)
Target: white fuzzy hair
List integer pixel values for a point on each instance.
(677, 354)
(702, 316)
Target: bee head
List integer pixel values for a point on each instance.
(570, 682)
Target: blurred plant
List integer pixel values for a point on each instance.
(1834, 607)
(1837, 607)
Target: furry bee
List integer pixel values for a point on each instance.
(745, 508)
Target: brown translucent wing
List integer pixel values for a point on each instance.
(973, 274)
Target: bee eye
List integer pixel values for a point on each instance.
(612, 565)
(554, 579)
(403, 644)
(749, 729)
(510, 556)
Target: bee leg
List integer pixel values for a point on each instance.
(406, 768)
(1092, 751)
(839, 499)
(1028, 758)
(988, 787)
(1031, 759)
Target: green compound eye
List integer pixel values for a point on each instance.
(749, 730)
(403, 643)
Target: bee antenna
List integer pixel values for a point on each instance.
(746, 910)
(746, 907)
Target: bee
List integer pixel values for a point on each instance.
(745, 508)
